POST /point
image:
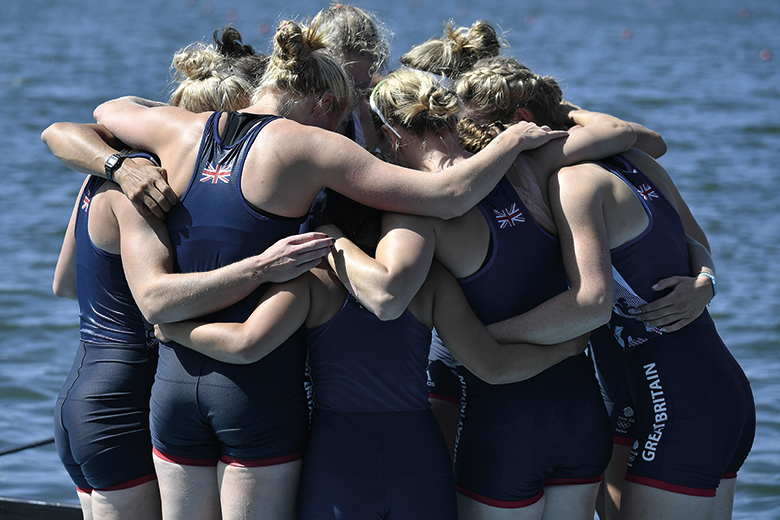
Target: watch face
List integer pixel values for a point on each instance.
(111, 161)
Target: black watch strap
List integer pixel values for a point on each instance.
(114, 162)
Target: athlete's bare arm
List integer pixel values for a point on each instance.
(86, 147)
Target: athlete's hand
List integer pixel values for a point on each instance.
(146, 186)
(159, 333)
(292, 256)
(531, 135)
(685, 303)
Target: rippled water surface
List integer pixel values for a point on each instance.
(704, 73)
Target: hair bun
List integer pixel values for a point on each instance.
(197, 62)
(456, 51)
(457, 40)
(294, 44)
(229, 43)
(442, 103)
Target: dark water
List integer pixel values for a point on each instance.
(704, 73)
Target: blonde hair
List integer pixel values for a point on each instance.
(494, 89)
(351, 32)
(207, 77)
(456, 51)
(416, 100)
(301, 67)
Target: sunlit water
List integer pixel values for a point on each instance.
(704, 73)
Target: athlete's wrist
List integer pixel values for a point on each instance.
(713, 282)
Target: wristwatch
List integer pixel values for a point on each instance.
(114, 162)
(712, 279)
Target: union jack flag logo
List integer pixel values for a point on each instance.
(215, 174)
(647, 192)
(509, 217)
(85, 202)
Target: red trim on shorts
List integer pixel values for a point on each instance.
(131, 483)
(506, 504)
(683, 490)
(183, 461)
(86, 491)
(571, 481)
(622, 441)
(261, 463)
(730, 475)
(447, 398)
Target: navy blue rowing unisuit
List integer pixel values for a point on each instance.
(204, 410)
(695, 409)
(102, 413)
(551, 429)
(375, 450)
(609, 361)
(108, 313)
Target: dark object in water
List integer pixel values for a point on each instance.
(27, 446)
(18, 509)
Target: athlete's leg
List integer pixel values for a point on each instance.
(469, 509)
(187, 492)
(576, 502)
(85, 499)
(611, 489)
(642, 502)
(724, 500)
(265, 493)
(142, 501)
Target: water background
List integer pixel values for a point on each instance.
(704, 73)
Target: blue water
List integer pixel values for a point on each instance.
(704, 73)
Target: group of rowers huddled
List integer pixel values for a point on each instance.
(311, 287)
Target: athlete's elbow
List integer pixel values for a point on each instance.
(492, 377)
(656, 148)
(50, 133)
(154, 302)
(65, 291)
(155, 315)
(459, 203)
(598, 311)
(245, 354)
(603, 316)
(246, 345)
(627, 133)
(102, 111)
(153, 310)
(388, 309)
(99, 112)
(495, 374)
(453, 200)
(383, 304)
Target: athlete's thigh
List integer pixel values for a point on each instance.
(142, 501)
(469, 509)
(187, 492)
(724, 500)
(576, 502)
(642, 502)
(612, 484)
(268, 492)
